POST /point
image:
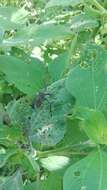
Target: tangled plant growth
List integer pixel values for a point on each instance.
(53, 95)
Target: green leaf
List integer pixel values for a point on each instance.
(58, 66)
(19, 112)
(26, 77)
(48, 120)
(11, 134)
(95, 125)
(74, 135)
(88, 83)
(89, 173)
(14, 182)
(31, 186)
(54, 162)
(12, 17)
(52, 3)
(32, 162)
(82, 22)
(4, 157)
(53, 180)
(29, 164)
(38, 34)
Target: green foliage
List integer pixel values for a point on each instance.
(81, 174)
(24, 76)
(53, 95)
(14, 182)
(63, 3)
(91, 71)
(59, 66)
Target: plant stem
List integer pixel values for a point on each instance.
(101, 168)
(62, 151)
(73, 45)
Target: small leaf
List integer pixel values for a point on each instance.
(4, 157)
(32, 162)
(95, 125)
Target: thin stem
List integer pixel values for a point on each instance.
(101, 169)
(73, 45)
(62, 151)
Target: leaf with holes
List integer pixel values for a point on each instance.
(88, 173)
(88, 83)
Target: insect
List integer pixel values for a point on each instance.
(41, 97)
(6, 120)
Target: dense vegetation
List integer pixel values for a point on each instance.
(53, 95)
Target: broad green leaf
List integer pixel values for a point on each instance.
(52, 3)
(14, 182)
(38, 34)
(88, 83)
(52, 163)
(46, 130)
(48, 120)
(82, 22)
(58, 66)
(12, 17)
(94, 124)
(89, 173)
(26, 77)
